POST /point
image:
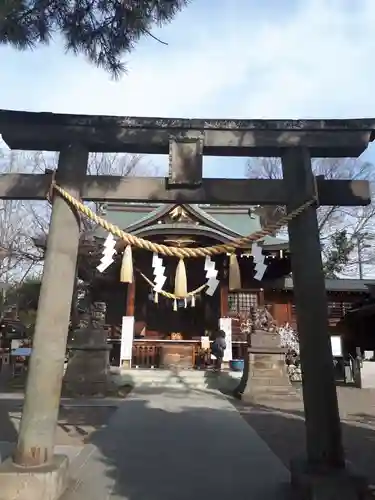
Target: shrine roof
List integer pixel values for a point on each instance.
(226, 223)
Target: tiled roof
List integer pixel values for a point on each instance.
(234, 221)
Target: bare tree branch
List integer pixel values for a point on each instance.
(21, 222)
(355, 220)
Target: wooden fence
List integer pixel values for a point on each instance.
(148, 354)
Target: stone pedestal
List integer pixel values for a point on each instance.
(265, 375)
(87, 373)
(47, 482)
(316, 483)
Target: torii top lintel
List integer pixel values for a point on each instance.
(226, 137)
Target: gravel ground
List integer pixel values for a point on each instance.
(281, 424)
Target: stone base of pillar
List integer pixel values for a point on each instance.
(309, 483)
(43, 483)
(265, 376)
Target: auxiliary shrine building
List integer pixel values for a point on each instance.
(162, 325)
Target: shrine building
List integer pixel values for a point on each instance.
(160, 325)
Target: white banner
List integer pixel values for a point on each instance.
(336, 346)
(225, 324)
(127, 335)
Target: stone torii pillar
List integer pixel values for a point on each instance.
(38, 425)
(324, 470)
(35, 447)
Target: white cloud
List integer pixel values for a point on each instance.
(314, 61)
(318, 64)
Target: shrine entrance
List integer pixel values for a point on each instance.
(189, 318)
(163, 324)
(186, 141)
(185, 323)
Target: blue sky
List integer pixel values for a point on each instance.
(231, 58)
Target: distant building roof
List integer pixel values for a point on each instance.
(332, 285)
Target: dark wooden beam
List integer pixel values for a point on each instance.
(157, 190)
(49, 132)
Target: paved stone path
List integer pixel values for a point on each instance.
(177, 445)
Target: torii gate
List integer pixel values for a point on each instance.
(186, 141)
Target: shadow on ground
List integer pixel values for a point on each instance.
(283, 429)
(8, 431)
(281, 425)
(75, 423)
(166, 451)
(138, 461)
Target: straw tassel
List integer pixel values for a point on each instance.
(126, 273)
(156, 298)
(234, 273)
(193, 301)
(180, 283)
(175, 305)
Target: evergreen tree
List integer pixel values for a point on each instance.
(24, 298)
(338, 256)
(102, 30)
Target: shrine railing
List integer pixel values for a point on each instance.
(147, 353)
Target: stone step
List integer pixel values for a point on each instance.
(183, 379)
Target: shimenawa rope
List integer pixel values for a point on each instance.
(181, 253)
(172, 295)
